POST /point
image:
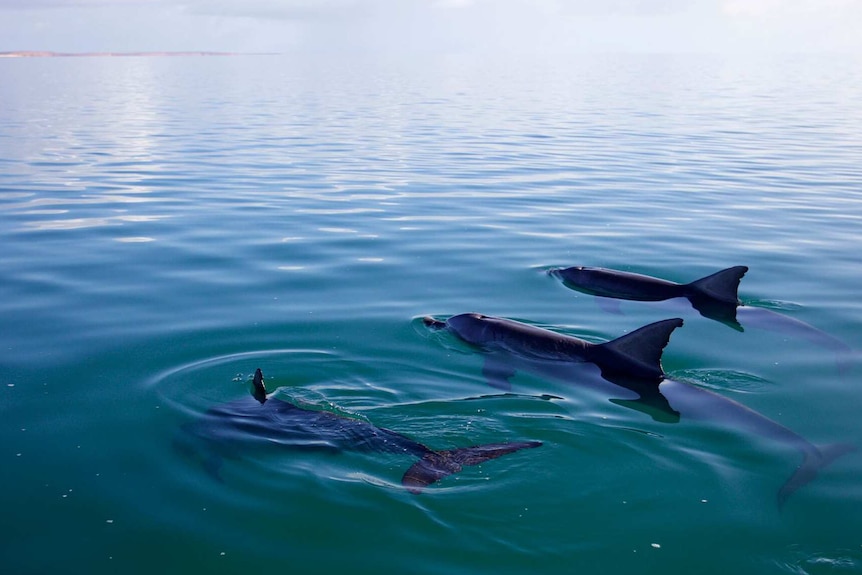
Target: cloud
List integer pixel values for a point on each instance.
(66, 4)
(405, 26)
(317, 9)
(281, 9)
(796, 25)
(787, 8)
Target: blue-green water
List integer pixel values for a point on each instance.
(167, 225)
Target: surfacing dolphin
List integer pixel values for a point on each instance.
(225, 429)
(632, 362)
(635, 355)
(714, 296)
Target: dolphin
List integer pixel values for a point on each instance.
(631, 362)
(226, 429)
(714, 297)
(636, 355)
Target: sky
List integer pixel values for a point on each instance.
(434, 26)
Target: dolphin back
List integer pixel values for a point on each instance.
(722, 286)
(637, 354)
(618, 284)
(435, 465)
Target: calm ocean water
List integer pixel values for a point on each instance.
(170, 224)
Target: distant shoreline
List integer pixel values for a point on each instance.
(48, 54)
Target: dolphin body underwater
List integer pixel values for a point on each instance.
(268, 420)
(714, 297)
(631, 362)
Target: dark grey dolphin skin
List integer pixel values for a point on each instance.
(634, 355)
(226, 429)
(631, 362)
(714, 296)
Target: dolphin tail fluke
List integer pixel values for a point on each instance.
(815, 460)
(435, 465)
(722, 286)
(638, 354)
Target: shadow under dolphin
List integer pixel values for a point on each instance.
(714, 296)
(224, 430)
(631, 362)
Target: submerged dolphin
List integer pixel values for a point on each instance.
(714, 297)
(632, 362)
(264, 419)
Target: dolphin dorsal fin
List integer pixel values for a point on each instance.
(638, 354)
(259, 386)
(722, 285)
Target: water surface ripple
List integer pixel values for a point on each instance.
(169, 225)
